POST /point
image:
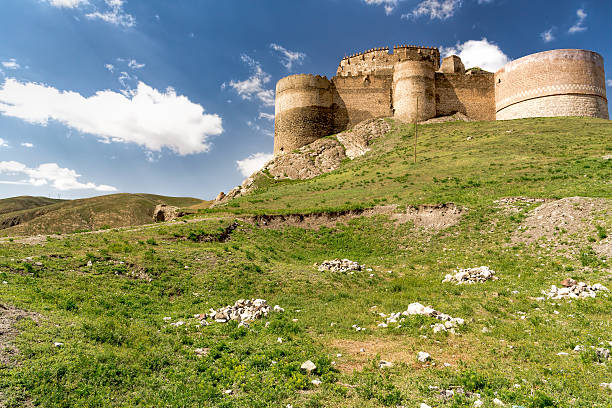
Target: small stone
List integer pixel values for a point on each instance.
(563, 353)
(579, 348)
(338, 355)
(277, 308)
(201, 352)
(423, 357)
(385, 364)
(498, 402)
(568, 282)
(308, 366)
(89, 263)
(279, 340)
(316, 382)
(58, 344)
(478, 403)
(602, 354)
(228, 392)
(362, 350)
(424, 405)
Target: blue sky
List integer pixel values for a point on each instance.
(175, 97)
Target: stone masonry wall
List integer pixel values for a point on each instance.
(557, 105)
(356, 99)
(557, 72)
(471, 94)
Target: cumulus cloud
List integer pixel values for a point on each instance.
(548, 36)
(389, 5)
(110, 67)
(579, 26)
(440, 9)
(133, 64)
(67, 3)
(288, 58)
(482, 53)
(253, 163)
(11, 64)
(145, 116)
(48, 174)
(610, 82)
(27, 144)
(255, 85)
(113, 14)
(3, 143)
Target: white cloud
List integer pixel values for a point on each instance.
(267, 116)
(474, 53)
(49, 174)
(110, 67)
(3, 143)
(253, 163)
(389, 5)
(548, 36)
(27, 144)
(67, 3)
(11, 64)
(133, 64)
(579, 26)
(144, 116)
(288, 58)
(609, 82)
(114, 14)
(254, 86)
(441, 9)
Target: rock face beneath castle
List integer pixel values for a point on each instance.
(411, 85)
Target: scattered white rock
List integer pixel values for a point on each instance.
(578, 290)
(563, 353)
(316, 382)
(167, 319)
(228, 392)
(58, 344)
(579, 348)
(279, 309)
(308, 366)
(340, 265)
(478, 403)
(279, 340)
(177, 324)
(243, 310)
(385, 364)
(606, 385)
(498, 402)
(200, 352)
(424, 405)
(449, 322)
(423, 357)
(471, 275)
(602, 354)
(89, 263)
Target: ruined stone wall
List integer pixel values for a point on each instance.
(472, 94)
(577, 75)
(380, 62)
(359, 98)
(303, 111)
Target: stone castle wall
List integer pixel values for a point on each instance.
(376, 84)
(471, 94)
(578, 75)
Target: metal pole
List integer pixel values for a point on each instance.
(416, 127)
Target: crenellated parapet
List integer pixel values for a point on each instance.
(378, 61)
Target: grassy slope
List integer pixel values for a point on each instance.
(118, 351)
(114, 210)
(8, 205)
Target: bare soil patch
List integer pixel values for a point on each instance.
(434, 217)
(399, 351)
(9, 316)
(566, 225)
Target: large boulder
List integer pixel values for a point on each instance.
(164, 212)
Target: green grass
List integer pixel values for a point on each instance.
(118, 350)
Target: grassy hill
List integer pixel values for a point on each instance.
(122, 303)
(34, 215)
(8, 205)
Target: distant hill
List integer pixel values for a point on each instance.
(12, 204)
(39, 215)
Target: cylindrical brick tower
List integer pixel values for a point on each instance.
(552, 83)
(414, 80)
(303, 111)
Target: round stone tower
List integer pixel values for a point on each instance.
(552, 83)
(414, 80)
(303, 111)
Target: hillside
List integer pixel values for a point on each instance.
(123, 317)
(65, 216)
(8, 205)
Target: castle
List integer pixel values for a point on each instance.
(411, 85)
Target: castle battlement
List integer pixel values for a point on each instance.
(378, 83)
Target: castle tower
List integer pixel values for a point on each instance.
(552, 83)
(414, 80)
(303, 111)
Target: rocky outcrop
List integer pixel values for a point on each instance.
(317, 158)
(164, 212)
